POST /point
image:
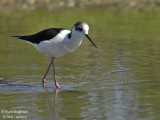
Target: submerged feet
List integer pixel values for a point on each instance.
(56, 83)
(43, 82)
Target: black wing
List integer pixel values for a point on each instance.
(41, 36)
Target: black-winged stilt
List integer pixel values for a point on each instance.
(56, 42)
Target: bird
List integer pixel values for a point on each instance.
(56, 42)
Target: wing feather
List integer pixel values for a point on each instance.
(46, 34)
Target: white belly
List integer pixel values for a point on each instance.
(59, 45)
(52, 49)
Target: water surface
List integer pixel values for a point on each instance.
(118, 81)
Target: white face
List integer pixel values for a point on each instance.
(85, 29)
(81, 28)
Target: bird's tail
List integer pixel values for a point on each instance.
(19, 37)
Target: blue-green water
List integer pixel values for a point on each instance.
(118, 81)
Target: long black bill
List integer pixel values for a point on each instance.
(90, 40)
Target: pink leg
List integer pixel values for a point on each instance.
(44, 78)
(55, 80)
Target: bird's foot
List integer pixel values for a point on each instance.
(43, 82)
(57, 85)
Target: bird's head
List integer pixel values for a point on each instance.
(81, 29)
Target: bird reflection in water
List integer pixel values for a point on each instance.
(53, 106)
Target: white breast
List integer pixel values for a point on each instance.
(59, 45)
(54, 46)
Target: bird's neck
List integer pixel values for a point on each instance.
(73, 41)
(73, 35)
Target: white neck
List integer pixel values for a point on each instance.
(75, 36)
(74, 41)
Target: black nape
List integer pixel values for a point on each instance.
(69, 35)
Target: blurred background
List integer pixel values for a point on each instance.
(119, 80)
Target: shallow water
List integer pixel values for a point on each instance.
(118, 81)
